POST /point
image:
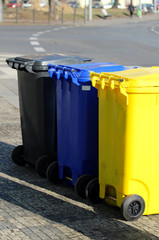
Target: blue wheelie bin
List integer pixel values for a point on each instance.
(37, 100)
(77, 126)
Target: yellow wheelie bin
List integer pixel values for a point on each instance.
(129, 140)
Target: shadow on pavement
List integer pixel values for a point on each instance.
(22, 187)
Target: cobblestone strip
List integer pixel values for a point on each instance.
(32, 208)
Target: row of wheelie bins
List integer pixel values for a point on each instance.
(93, 126)
(37, 102)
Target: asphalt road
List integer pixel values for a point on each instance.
(131, 43)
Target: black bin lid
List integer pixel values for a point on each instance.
(39, 62)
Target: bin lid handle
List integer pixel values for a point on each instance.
(17, 64)
(62, 71)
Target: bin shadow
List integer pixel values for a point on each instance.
(99, 16)
(126, 14)
(23, 188)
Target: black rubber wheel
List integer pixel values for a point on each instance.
(132, 207)
(42, 165)
(92, 191)
(18, 155)
(52, 173)
(80, 186)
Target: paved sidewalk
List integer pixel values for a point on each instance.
(117, 21)
(8, 81)
(33, 208)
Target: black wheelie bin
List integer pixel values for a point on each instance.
(37, 103)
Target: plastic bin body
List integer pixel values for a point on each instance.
(37, 100)
(128, 135)
(77, 119)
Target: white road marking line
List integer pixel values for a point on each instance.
(35, 35)
(39, 49)
(153, 30)
(40, 33)
(33, 38)
(63, 28)
(35, 43)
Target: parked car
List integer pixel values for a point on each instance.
(73, 4)
(43, 4)
(13, 4)
(96, 5)
(27, 4)
(146, 7)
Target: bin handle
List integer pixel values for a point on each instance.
(51, 67)
(74, 73)
(105, 79)
(59, 67)
(20, 65)
(120, 81)
(111, 80)
(53, 70)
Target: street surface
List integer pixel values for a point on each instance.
(132, 43)
(30, 206)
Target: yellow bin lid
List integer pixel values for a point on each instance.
(147, 77)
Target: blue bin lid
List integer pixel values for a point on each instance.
(81, 73)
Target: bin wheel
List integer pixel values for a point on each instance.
(42, 165)
(17, 155)
(52, 173)
(92, 191)
(80, 186)
(132, 207)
